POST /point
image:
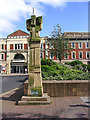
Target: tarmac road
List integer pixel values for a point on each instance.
(9, 82)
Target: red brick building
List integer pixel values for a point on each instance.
(80, 43)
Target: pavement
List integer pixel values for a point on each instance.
(61, 108)
(13, 74)
(86, 100)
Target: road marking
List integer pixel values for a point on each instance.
(8, 92)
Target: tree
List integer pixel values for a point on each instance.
(59, 42)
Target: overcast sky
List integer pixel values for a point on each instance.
(71, 16)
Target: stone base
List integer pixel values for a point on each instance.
(28, 100)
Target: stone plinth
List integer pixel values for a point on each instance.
(27, 100)
(33, 100)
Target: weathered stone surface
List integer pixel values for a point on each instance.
(27, 100)
(33, 88)
(33, 102)
(34, 25)
(65, 88)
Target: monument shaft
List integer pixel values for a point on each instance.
(34, 25)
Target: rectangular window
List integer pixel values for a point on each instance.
(2, 46)
(15, 46)
(2, 56)
(80, 55)
(80, 45)
(73, 45)
(87, 54)
(87, 45)
(73, 55)
(41, 55)
(51, 56)
(19, 46)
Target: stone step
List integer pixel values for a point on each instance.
(45, 95)
(33, 102)
(27, 98)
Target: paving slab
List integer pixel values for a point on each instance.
(86, 100)
(61, 108)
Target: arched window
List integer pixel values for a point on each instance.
(19, 56)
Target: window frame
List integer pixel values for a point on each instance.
(51, 57)
(1, 56)
(86, 54)
(86, 44)
(81, 45)
(2, 48)
(72, 55)
(72, 45)
(79, 54)
(18, 46)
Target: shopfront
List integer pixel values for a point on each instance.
(18, 64)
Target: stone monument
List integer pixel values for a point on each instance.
(33, 89)
(34, 25)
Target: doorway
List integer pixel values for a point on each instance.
(19, 69)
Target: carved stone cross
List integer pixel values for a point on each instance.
(34, 25)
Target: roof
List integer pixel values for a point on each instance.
(18, 33)
(77, 34)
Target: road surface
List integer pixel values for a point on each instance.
(9, 82)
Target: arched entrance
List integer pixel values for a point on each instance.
(19, 57)
(18, 64)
